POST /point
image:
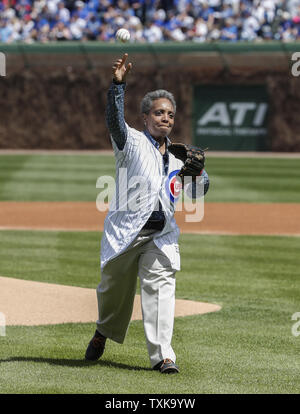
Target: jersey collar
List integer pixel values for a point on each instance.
(154, 142)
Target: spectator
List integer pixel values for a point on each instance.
(92, 29)
(207, 14)
(215, 4)
(52, 6)
(226, 12)
(27, 29)
(229, 31)
(289, 35)
(149, 7)
(110, 15)
(215, 33)
(38, 8)
(176, 35)
(152, 33)
(200, 30)
(182, 5)
(76, 27)
(106, 33)
(40, 21)
(16, 26)
(296, 25)
(63, 13)
(125, 8)
(136, 29)
(93, 6)
(235, 5)
(292, 7)
(6, 31)
(81, 9)
(8, 12)
(186, 21)
(159, 17)
(250, 27)
(60, 32)
(172, 21)
(150, 20)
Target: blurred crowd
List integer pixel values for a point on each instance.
(44, 21)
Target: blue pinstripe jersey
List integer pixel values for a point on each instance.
(137, 155)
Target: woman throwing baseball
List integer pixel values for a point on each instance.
(140, 239)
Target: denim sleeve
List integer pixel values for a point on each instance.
(115, 114)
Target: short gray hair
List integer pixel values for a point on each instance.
(148, 99)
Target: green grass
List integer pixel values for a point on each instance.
(247, 347)
(74, 177)
(68, 258)
(254, 180)
(52, 177)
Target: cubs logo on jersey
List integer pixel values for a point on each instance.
(173, 186)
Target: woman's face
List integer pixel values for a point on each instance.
(160, 119)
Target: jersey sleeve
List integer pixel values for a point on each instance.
(115, 114)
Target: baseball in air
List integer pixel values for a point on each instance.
(123, 35)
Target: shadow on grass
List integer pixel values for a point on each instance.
(75, 363)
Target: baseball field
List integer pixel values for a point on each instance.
(235, 332)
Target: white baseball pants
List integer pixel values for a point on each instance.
(117, 289)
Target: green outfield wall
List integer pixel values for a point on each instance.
(54, 95)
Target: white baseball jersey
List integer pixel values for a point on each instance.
(140, 177)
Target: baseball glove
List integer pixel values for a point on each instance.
(192, 157)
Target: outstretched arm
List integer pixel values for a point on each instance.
(115, 102)
(119, 70)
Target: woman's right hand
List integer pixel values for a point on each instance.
(119, 70)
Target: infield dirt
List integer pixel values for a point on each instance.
(219, 218)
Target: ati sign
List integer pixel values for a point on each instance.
(230, 118)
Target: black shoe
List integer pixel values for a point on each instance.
(96, 347)
(166, 366)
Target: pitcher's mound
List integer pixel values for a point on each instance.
(24, 302)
